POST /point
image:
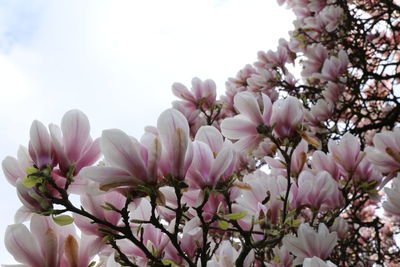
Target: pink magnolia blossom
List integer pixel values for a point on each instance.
(226, 256)
(40, 148)
(319, 112)
(130, 163)
(40, 247)
(297, 163)
(320, 191)
(347, 152)
(317, 262)
(341, 227)
(331, 17)
(392, 204)
(15, 168)
(244, 127)
(287, 115)
(316, 55)
(177, 152)
(325, 162)
(385, 154)
(203, 93)
(261, 185)
(310, 243)
(210, 166)
(72, 142)
(93, 204)
(284, 258)
(334, 67)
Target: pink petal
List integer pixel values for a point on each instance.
(12, 170)
(120, 151)
(20, 243)
(238, 127)
(182, 92)
(174, 133)
(40, 144)
(109, 177)
(90, 156)
(211, 136)
(75, 128)
(247, 105)
(221, 163)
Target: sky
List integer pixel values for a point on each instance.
(116, 61)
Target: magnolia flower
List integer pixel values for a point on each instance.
(287, 115)
(341, 227)
(129, 162)
(317, 262)
(210, 165)
(385, 154)
(252, 200)
(316, 55)
(297, 163)
(40, 145)
(309, 243)
(325, 162)
(392, 204)
(226, 256)
(72, 142)
(94, 205)
(282, 258)
(245, 126)
(347, 152)
(203, 93)
(320, 191)
(334, 67)
(177, 152)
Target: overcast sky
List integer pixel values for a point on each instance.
(116, 61)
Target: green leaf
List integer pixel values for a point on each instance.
(169, 263)
(31, 170)
(223, 225)
(276, 259)
(236, 216)
(31, 181)
(63, 220)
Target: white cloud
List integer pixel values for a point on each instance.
(116, 61)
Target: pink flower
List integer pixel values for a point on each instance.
(317, 262)
(72, 142)
(129, 162)
(40, 146)
(316, 55)
(309, 243)
(392, 204)
(177, 152)
(341, 227)
(203, 93)
(226, 256)
(320, 191)
(210, 166)
(287, 115)
(334, 67)
(15, 169)
(244, 127)
(323, 162)
(297, 164)
(385, 154)
(347, 152)
(93, 205)
(320, 112)
(285, 258)
(42, 246)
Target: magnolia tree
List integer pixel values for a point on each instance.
(281, 170)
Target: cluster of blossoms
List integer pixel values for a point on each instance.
(280, 171)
